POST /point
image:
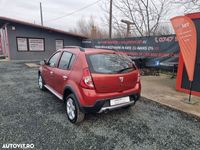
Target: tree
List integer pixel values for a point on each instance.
(145, 14)
(90, 29)
(163, 29)
(189, 5)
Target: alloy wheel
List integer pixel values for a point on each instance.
(70, 109)
(40, 82)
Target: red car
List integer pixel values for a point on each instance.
(90, 80)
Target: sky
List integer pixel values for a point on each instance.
(29, 10)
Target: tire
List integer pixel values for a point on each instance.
(41, 82)
(74, 114)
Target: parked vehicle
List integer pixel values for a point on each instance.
(90, 80)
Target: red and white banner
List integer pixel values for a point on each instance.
(187, 38)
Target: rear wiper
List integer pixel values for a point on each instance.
(124, 69)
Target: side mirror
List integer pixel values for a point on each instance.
(44, 62)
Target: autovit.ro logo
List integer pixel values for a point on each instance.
(17, 146)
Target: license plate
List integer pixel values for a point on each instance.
(118, 101)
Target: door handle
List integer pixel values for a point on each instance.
(65, 77)
(51, 72)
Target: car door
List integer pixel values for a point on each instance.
(63, 71)
(50, 69)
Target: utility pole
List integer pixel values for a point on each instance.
(41, 16)
(110, 20)
(128, 23)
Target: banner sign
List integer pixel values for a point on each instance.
(36, 44)
(187, 38)
(22, 44)
(156, 50)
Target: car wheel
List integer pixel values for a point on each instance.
(41, 82)
(73, 111)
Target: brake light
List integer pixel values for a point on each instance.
(86, 81)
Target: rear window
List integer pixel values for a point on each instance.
(110, 63)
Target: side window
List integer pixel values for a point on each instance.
(65, 60)
(53, 59)
(72, 60)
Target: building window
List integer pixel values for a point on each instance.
(25, 44)
(36, 44)
(22, 44)
(59, 44)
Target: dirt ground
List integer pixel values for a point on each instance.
(28, 115)
(162, 89)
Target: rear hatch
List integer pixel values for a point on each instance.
(112, 72)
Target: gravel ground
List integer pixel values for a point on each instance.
(28, 115)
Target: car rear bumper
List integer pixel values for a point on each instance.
(89, 97)
(104, 105)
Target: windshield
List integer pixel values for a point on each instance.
(110, 63)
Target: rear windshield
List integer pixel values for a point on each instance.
(110, 63)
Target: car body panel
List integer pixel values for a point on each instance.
(60, 79)
(108, 83)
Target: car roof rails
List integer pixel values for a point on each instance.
(109, 49)
(80, 48)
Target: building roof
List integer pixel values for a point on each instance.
(4, 20)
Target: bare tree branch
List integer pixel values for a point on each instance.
(189, 5)
(145, 14)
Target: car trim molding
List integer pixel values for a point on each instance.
(103, 109)
(54, 92)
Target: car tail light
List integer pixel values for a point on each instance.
(138, 78)
(86, 81)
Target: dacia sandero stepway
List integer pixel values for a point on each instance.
(90, 80)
